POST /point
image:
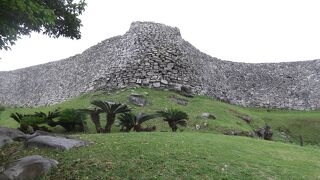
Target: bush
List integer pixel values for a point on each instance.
(28, 122)
(2, 109)
(174, 117)
(71, 120)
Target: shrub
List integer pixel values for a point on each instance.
(129, 120)
(174, 117)
(111, 109)
(71, 120)
(28, 122)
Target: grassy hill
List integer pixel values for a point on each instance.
(181, 155)
(191, 154)
(286, 125)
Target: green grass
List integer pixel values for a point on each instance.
(191, 154)
(292, 123)
(186, 155)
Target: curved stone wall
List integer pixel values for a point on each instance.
(155, 55)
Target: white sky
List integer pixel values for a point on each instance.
(237, 30)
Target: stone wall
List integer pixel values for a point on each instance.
(155, 55)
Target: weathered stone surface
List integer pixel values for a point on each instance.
(265, 132)
(246, 118)
(45, 133)
(4, 140)
(180, 101)
(55, 142)
(137, 100)
(30, 167)
(150, 52)
(11, 133)
(208, 115)
(239, 133)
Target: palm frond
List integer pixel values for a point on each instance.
(141, 117)
(17, 117)
(173, 115)
(127, 120)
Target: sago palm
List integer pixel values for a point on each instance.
(48, 118)
(95, 117)
(127, 121)
(111, 109)
(174, 118)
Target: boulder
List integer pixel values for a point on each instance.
(208, 115)
(239, 133)
(180, 101)
(265, 132)
(4, 140)
(246, 118)
(55, 142)
(137, 100)
(14, 134)
(45, 133)
(30, 167)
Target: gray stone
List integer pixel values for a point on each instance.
(56, 142)
(14, 134)
(208, 115)
(246, 118)
(30, 167)
(163, 81)
(156, 85)
(137, 100)
(4, 140)
(139, 81)
(180, 101)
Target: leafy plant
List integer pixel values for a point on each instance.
(70, 119)
(127, 121)
(28, 120)
(111, 109)
(48, 117)
(174, 118)
(2, 108)
(95, 117)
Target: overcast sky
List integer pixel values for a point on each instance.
(238, 30)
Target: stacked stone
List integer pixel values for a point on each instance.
(155, 55)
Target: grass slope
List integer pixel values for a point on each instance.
(287, 125)
(185, 155)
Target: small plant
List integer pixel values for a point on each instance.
(28, 122)
(2, 108)
(95, 117)
(127, 121)
(111, 109)
(174, 118)
(70, 119)
(48, 117)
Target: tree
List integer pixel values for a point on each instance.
(127, 121)
(54, 18)
(174, 118)
(95, 117)
(111, 109)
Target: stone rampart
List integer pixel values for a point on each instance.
(155, 55)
